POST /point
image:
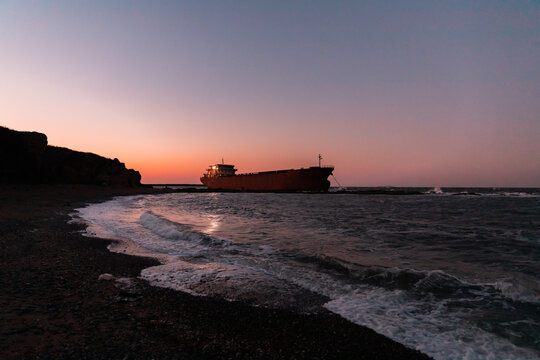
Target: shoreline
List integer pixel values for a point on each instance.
(55, 305)
(119, 245)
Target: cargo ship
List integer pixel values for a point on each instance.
(223, 177)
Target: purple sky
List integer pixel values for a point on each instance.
(421, 93)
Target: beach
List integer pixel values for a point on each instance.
(57, 303)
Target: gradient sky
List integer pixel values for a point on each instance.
(422, 93)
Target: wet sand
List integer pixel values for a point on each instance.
(54, 304)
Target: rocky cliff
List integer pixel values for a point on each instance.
(25, 157)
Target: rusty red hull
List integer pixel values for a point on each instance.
(310, 179)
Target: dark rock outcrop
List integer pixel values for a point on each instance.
(26, 158)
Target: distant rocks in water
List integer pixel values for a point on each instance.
(25, 157)
(375, 191)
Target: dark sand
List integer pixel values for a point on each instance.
(53, 305)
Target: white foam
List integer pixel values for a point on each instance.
(521, 194)
(120, 244)
(226, 281)
(523, 289)
(436, 190)
(431, 329)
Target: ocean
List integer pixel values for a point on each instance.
(453, 273)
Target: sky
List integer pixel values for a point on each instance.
(392, 93)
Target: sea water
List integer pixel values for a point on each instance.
(453, 273)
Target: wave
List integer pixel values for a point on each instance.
(481, 192)
(522, 290)
(438, 328)
(521, 194)
(435, 282)
(171, 230)
(436, 190)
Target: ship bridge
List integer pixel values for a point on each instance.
(220, 170)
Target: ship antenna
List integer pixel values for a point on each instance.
(320, 158)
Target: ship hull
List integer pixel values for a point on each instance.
(310, 179)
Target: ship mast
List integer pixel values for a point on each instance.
(320, 158)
